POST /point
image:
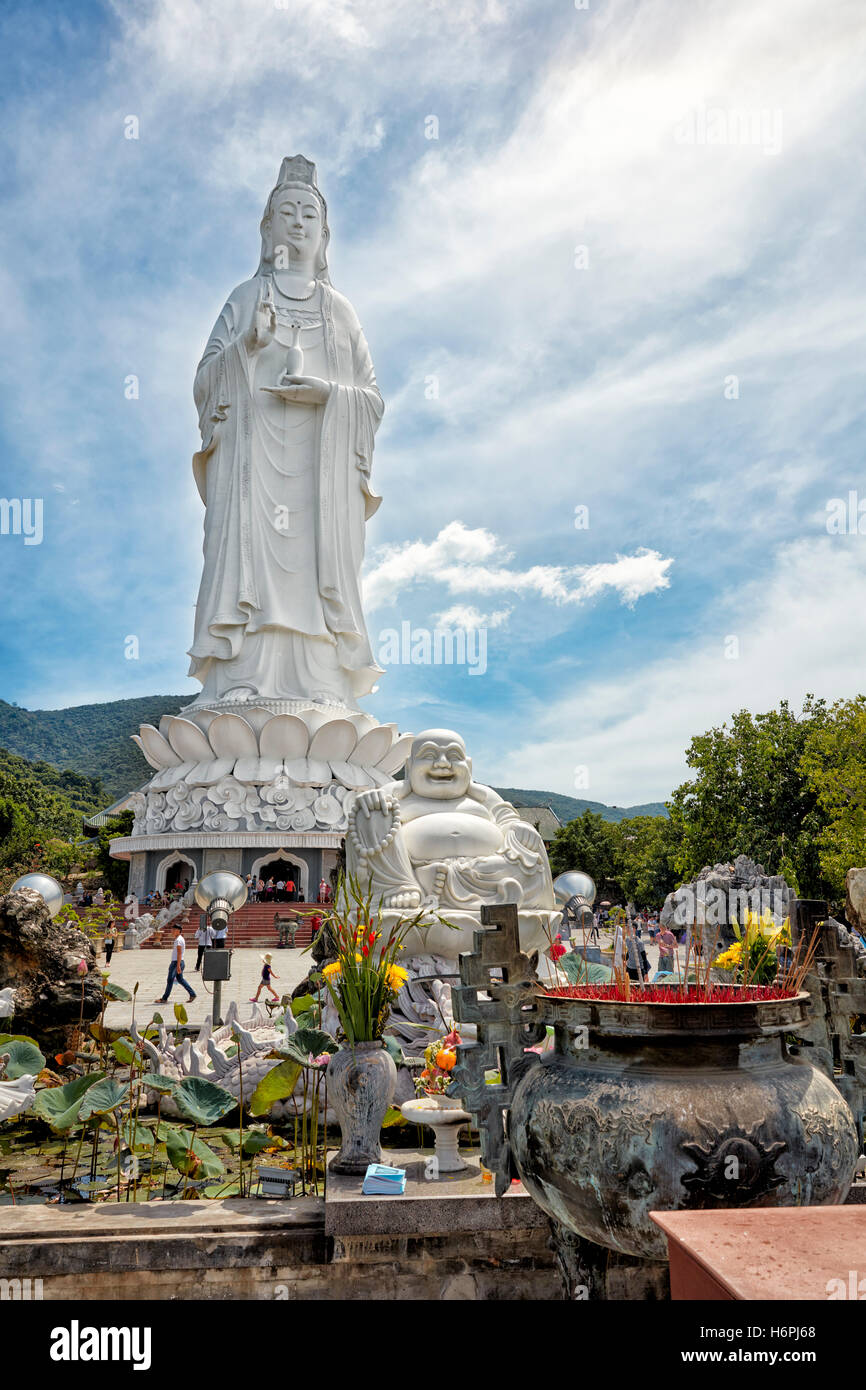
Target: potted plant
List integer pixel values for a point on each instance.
(362, 983)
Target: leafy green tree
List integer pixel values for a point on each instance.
(647, 854)
(751, 795)
(115, 872)
(834, 765)
(589, 843)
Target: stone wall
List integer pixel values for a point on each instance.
(265, 1249)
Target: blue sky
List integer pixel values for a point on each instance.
(632, 260)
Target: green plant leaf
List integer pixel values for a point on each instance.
(202, 1101)
(305, 1042)
(101, 1099)
(24, 1056)
(302, 1004)
(275, 1085)
(59, 1105)
(124, 1050)
(307, 1018)
(258, 1139)
(157, 1018)
(155, 1081)
(140, 1133)
(180, 1013)
(191, 1157)
(579, 971)
(116, 991)
(226, 1189)
(393, 1048)
(105, 1035)
(393, 1117)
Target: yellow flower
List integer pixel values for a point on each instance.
(333, 969)
(396, 977)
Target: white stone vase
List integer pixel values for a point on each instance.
(361, 1081)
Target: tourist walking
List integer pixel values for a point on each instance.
(633, 956)
(265, 982)
(667, 944)
(175, 969)
(204, 937)
(109, 940)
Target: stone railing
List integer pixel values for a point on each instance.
(142, 927)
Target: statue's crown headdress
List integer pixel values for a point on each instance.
(296, 169)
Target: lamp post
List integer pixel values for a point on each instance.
(219, 895)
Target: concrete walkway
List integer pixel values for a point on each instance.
(150, 969)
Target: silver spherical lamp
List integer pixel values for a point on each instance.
(47, 887)
(574, 884)
(220, 894)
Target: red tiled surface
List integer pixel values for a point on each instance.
(766, 1253)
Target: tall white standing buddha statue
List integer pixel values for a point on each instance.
(288, 410)
(273, 763)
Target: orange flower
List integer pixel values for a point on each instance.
(446, 1059)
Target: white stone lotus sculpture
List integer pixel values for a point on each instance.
(261, 769)
(16, 1096)
(7, 1002)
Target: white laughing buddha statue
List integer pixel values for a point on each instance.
(440, 842)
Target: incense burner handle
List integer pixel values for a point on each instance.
(507, 1023)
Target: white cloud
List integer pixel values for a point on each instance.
(468, 618)
(798, 633)
(456, 559)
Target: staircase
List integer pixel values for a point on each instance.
(251, 926)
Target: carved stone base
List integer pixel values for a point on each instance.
(588, 1271)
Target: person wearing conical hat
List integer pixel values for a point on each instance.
(267, 975)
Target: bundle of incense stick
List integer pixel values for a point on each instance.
(803, 959)
(621, 991)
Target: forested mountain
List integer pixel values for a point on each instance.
(95, 740)
(91, 739)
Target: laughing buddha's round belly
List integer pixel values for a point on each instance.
(451, 835)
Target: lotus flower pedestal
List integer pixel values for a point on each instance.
(235, 780)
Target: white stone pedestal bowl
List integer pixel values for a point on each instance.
(446, 1119)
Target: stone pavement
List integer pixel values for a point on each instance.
(150, 969)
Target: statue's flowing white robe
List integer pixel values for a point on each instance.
(280, 613)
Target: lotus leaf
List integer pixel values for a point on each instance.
(191, 1157)
(275, 1085)
(24, 1058)
(202, 1101)
(60, 1105)
(101, 1099)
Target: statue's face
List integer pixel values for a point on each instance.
(438, 765)
(296, 222)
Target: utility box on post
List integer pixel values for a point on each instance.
(216, 964)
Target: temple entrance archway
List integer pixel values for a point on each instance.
(280, 864)
(174, 868)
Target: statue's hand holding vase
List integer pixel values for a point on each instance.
(305, 390)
